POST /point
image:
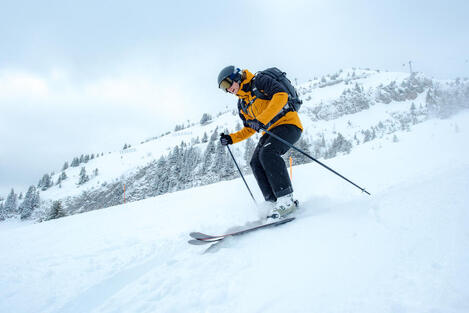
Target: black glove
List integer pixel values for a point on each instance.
(225, 139)
(255, 124)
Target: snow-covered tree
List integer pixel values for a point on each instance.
(83, 176)
(340, 144)
(208, 158)
(30, 203)
(214, 135)
(298, 157)
(319, 147)
(249, 148)
(219, 158)
(75, 162)
(2, 211)
(56, 211)
(45, 182)
(65, 166)
(205, 137)
(206, 118)
(11, 204)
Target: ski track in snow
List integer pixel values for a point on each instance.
(404, 249)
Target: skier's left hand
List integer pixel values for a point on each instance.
(255, 124)
(225, 139)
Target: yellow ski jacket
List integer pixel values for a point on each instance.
(264, 110)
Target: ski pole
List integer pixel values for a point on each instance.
(322, 164)
(240, 173)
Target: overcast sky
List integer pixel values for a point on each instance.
(82, 77)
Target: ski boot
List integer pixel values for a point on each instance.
(285, 206)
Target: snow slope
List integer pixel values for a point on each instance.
(404, 249)
(116, 165)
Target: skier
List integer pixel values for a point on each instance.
(263, 104)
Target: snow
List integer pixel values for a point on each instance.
(404, 249)
(115, 165)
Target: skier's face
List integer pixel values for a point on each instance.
(234, 88)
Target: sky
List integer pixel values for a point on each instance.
(90, 76)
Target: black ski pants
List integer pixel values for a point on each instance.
(267, 165)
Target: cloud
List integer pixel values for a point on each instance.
(48, 119)
(22, 85)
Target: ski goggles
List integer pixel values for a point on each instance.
(225, 84)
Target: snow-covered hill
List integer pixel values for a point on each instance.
(404, 249)
(341, 112)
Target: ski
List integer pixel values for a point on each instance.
(201, 238)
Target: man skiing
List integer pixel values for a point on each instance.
(265, 103)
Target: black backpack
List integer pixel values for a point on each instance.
(294, 102)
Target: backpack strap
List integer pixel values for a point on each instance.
(281, 114)
(256, 93)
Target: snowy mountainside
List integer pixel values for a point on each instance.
(404, 249)
(340, 112)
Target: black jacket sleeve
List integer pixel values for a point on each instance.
(268, 86)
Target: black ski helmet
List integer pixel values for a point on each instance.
(227, 76)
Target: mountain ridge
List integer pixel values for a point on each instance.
(340, 112)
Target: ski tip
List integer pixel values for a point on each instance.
(197, 242)
(198, 235)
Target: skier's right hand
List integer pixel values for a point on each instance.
(225, 139)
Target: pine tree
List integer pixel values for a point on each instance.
(249, 148)
(65, 166)
(229, 169)
(207, 158)
(298, 157)
(340, 144)
(319, 147)
(413, 113)
(189, 163)
(174, 168)
(218, 165)
(214, 135)
(11, 204)
(45, 182)
(205, 138)
(206, 118)
(75, 162)
(2, 211)
(83, 177)
(30, 203)
(162, 176)
(56, 211)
